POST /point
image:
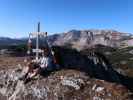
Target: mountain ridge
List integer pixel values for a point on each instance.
(81, 39)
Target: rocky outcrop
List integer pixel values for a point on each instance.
(94, 64)
(59, 85)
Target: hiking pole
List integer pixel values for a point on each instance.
(49, 46)
(56, 60)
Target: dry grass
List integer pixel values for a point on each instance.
(7, 62)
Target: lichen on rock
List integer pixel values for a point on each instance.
(59, 85)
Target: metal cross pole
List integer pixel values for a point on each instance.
(36, 35)
(37, 41)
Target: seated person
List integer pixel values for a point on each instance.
(45, 63)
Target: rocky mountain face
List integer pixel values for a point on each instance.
(85, 38)
(79, 77)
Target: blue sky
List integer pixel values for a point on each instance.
(18, 17)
